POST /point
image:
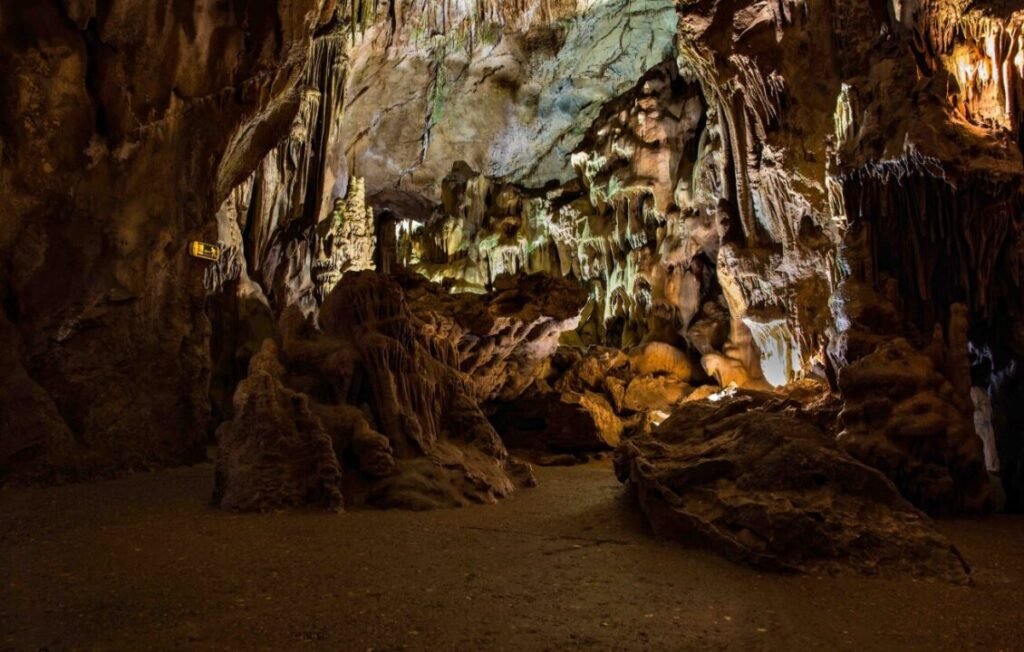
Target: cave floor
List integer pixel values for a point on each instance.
(144, 563)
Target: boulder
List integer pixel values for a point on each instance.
(646, 393)
(661, 358)
(755, 478)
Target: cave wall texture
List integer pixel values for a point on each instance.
(776, 190)
(124, 125)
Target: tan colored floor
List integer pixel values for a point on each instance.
(144, 563)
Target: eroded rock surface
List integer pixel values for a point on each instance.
(274, 453)
(386, 387)
(588, 400)
(758, 479)
(123, 125)
(919, 431)
(505, 339)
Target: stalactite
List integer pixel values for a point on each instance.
(291, 190)
(961, 238)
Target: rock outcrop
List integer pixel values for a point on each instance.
(386, 388)
(274, 453)
(932, 200)
(919, 431)
(505, 339)
(756, 478)
(588, 400)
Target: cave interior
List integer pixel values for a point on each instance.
(742, 276)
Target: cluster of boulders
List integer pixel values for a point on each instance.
(590, 398)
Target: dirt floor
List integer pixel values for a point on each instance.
(144, 563)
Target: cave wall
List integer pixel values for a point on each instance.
(687, 192)
(927, 172)
(510, 90)
(124, 126)
(832, 145)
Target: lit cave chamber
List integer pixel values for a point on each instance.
(757, 266)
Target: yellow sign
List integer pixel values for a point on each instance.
(206, 251)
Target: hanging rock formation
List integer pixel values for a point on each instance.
(653, 205)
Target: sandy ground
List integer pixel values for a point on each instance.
(144, 563)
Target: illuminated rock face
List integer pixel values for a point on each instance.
(639, 236)
(345, 240)
(273, 220)
(588, 401)
(509, 90)
(724, 201)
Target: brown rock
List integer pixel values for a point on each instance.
(646, 393)
(275, 453)
(755, 479)
(921, 440)
(124, 126)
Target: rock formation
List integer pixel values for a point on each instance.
(757, 479)
(386, 387)
(275, 452)
(123, 125)
(345, 241)
(586, 402)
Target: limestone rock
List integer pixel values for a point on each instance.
(918, 431)
(346, 240)
(661, 358)
(125, 125)
(647, 393)
(275, 453)
(506, 337)
(509, 89)
(590, 399)
(754, 478)
(35, 442)
(558, 422)
(381, 393)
